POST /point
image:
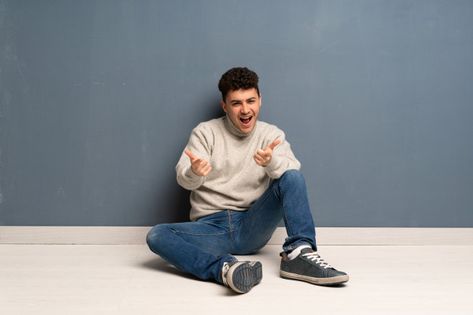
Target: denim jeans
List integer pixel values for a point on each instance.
(201, 247)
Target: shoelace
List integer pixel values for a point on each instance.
(318, 260)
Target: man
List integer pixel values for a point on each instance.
(243, 178)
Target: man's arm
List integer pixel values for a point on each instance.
(197, 152)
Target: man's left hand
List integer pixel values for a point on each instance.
(263, 157)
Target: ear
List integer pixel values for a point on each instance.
(224, 106)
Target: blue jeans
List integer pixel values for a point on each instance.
(201, 247)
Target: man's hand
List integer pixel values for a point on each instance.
(263, 157)
(199, 166)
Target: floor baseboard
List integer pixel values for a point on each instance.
(113, 235)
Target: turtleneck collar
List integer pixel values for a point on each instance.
(234, 130)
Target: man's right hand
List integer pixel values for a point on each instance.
(199, 166)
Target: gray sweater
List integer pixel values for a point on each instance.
(236, 181)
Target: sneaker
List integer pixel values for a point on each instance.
(310, 267)
(241, 276)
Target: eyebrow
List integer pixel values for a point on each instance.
(239, 101)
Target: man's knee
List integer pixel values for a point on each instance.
(292, 176)
(156, 236)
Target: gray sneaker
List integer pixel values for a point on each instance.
(241, 276)
(310, 267)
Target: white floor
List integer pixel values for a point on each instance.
(129, 279)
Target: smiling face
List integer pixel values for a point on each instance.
(242, 106)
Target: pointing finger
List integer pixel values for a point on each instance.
(275, 143)
(190, 155)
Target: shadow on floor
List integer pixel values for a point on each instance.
(160, 264)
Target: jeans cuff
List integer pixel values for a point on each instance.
(294, 245)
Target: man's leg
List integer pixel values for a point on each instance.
(199, 248)
(285, 198)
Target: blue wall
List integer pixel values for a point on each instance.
(98, 98)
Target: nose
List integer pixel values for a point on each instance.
(245, 108)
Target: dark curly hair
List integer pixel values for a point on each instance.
(237, 78)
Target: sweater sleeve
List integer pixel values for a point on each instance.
(199, 144)
(283, 158)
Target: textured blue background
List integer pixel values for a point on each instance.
(98, 98)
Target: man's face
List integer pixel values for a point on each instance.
(242, 106)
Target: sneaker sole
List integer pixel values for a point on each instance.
(245, 276)
(319, 281)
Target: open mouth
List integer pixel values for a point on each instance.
(246, 120)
